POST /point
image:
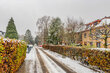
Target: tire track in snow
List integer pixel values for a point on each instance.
(44, 69)
(50, 64)
(64, 67)
(35, 68)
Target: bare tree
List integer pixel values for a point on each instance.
(62, 33)
(80, 28)
(72, 27)
(43, 24)
(71, 24)
(103, 33)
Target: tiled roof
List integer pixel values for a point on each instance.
(98, 23)
(93, 22)
(2, 32)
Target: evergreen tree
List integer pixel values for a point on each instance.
(28, 37)
(54, 31)
(11, 31)
(37, 40)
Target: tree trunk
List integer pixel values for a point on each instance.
(105, 45)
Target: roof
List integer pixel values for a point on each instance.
(80, 29)
(98, 20)
(2, 32)
(98, 23)
(104, 21)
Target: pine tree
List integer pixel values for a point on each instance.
(28, 37)
(11, 31)
(36, 40)
(54, 31)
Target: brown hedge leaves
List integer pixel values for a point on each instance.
(100, 59)
(12, 54)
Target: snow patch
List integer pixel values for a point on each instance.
(31, 57)
(74, 65)
(101, 49)
(104, 21)
(51, 65)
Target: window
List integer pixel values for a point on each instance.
(98, 35)
(98, 44)
(84, 35)
(75, 36)
(85, 43)
(91, 43)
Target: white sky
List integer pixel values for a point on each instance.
(26, 12)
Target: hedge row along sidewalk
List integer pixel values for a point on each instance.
(12, 55)
(92, 57)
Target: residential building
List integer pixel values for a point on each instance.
(2, 33)
(86, 39)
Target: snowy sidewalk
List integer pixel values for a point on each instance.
(30, 63)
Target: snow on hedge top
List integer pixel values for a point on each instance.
(13, 40)
(101, 49)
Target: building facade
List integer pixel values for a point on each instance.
(2, 33)
(86, 39)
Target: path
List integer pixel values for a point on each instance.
(63, 66)
(44, 68)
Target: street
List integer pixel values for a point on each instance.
(44, 61)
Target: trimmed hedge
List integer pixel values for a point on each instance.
(97, 58)
(12, 55)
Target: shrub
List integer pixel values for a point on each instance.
(100, 59)
(12, 54)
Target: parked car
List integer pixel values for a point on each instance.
(40, 45)
(29, 47)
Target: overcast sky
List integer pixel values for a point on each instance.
(26, 12)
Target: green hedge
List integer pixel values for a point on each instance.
(12, 55)
(97, 58)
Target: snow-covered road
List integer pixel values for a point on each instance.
(45, 61)
(50, 64)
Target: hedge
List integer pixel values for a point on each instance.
(92, 57)
(12, 55)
